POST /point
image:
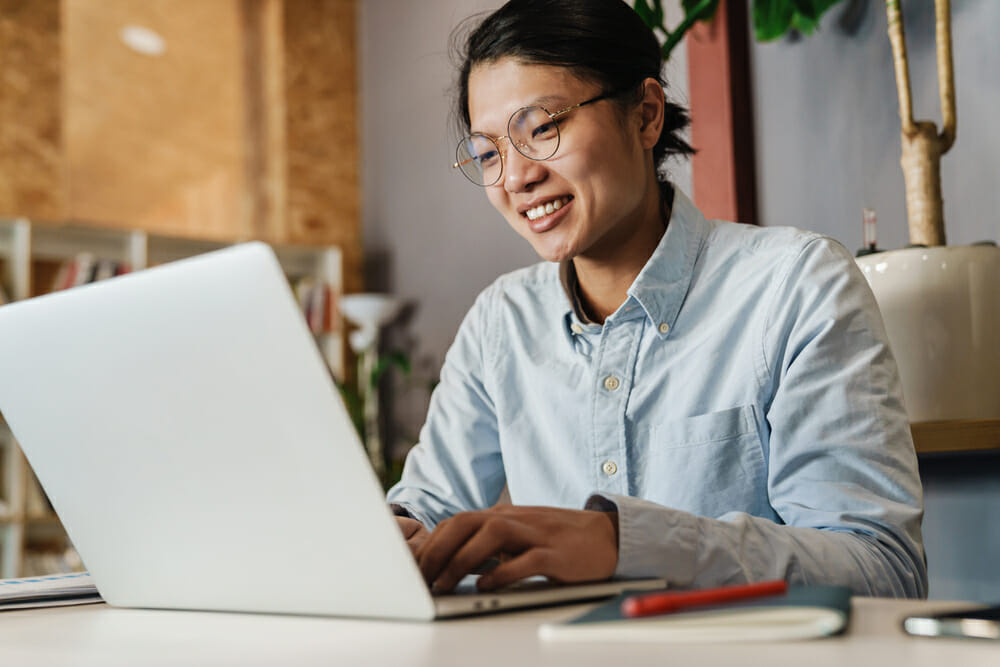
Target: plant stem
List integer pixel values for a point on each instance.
(922, 145)
(898, 40)
(674, 38)
(946, 73)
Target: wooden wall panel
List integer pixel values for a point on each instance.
(30, 136)
(244, 127)
(320, 74)
(156, 142)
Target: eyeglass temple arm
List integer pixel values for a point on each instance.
(556, 114)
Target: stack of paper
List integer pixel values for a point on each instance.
(49, 591)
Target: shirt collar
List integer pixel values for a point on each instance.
(662, 284)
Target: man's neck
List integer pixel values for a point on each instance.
(603, 283)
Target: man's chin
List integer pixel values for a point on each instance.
(557, 255)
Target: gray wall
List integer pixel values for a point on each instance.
(827, 145)
(828, 124)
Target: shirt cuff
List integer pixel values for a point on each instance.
(399, 510)
(653, 540)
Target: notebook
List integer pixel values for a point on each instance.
(192, 441)
(804, 612)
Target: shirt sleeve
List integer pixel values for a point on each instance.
(842, 473)
(456, 465)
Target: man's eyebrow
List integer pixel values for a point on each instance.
(551, 103)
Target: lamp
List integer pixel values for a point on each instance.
(370, 313)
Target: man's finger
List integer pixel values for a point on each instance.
(493, 537)
(528, 564)
(447, 538)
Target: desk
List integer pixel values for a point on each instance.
(101, 635)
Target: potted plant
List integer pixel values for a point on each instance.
(941, 304)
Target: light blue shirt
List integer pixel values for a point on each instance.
(741, 410)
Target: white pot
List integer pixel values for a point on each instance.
(941, 308)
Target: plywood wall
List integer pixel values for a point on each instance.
(156, 141)
(30, 135)
(245, 126)
(321, 103)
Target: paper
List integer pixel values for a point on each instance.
(48, 591)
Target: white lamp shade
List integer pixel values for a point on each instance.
(370, 311)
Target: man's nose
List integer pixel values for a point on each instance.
(521, 172)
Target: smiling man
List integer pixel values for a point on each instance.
(663, 395)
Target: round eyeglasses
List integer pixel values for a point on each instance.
(532, 131)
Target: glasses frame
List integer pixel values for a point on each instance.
(496, 140)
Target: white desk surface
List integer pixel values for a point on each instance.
(102, 635)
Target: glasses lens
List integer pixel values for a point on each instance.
(534, 134)
(479, 159)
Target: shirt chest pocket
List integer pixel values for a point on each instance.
(707, 464)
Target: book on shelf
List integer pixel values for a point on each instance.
(318, 303)
(86, 268)
(804, 612)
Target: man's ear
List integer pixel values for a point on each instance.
(651, 113)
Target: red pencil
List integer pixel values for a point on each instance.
(664, 603)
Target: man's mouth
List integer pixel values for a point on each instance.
(547, 208)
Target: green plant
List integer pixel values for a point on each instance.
(353, 393)
(771, 18)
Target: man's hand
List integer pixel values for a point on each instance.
(564, 545)
(414, 532)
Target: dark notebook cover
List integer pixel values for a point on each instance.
(802, 612)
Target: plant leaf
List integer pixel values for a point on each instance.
(387, 361)
(690, 6)
(658, 15)
(694, 10)
(647, 14)
(772, 18)
(808, 13)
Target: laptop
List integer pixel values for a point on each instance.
(191, 439)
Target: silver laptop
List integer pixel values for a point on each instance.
(190, 437)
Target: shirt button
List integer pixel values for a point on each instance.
(611, 383)
(664, 327)
(609, 468)
(576, 328)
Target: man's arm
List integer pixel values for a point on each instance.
(842, 473)
(456, 466)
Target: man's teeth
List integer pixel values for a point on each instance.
(546, 208)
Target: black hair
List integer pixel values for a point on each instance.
(601, 41)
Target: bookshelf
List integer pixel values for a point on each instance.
(32, 541)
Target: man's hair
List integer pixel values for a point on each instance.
(599, 41)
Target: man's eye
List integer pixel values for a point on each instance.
(488, 158)
(544, 131)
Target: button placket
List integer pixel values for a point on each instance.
(615, 353)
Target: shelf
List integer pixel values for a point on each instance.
(36, 519)
(956, 436)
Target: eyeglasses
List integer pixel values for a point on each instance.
(532, 131)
